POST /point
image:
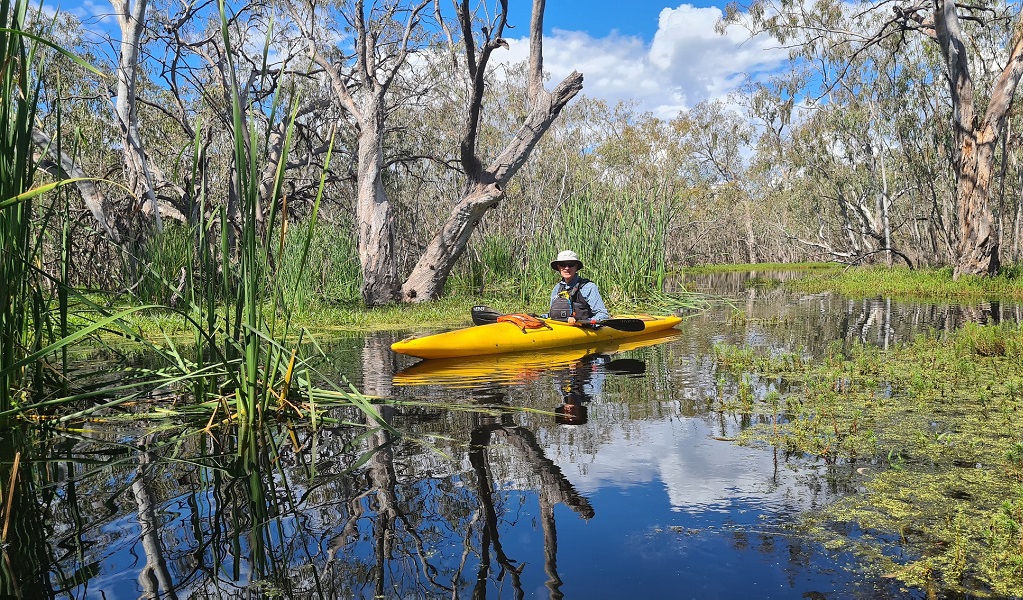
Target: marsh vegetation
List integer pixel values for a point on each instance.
(202, 271)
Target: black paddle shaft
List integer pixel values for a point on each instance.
(482, 315)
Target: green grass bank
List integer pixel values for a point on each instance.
(915, 284)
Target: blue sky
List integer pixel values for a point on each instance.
(600, 18)
(664, 56)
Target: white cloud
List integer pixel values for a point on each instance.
(686, 63)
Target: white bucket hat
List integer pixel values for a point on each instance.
(566, 256)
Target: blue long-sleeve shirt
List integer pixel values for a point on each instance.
(589, 292)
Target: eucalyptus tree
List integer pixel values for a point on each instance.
(774, 106)
(851, 151)
(362, 50)
(485, 185)
(194, 64)
(84, 156)
(718, 141)
(966, 37)
(131, 18)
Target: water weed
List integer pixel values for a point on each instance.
(934, 424)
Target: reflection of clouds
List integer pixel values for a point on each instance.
(698, 472)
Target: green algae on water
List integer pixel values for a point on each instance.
(929, 431)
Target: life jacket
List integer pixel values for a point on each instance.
(570, 303)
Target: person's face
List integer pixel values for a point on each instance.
(567, 269)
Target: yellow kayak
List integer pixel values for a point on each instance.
(517, 367)
(506, 336)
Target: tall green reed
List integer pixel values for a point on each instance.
(244, 279)
(327, 272)
(167, 254)
(621, 240)
(489, 265)
(21, 296)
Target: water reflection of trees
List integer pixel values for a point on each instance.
(425, 514)
(339, 512)
(815, 322)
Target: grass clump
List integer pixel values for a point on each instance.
(930, 430)
(915, 284)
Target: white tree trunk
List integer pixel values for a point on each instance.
(376, 223)
(131, 20)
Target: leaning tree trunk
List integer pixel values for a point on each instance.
(485, 187)
(62, 166)
(426, 282)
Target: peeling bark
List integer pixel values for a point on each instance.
(977, 251)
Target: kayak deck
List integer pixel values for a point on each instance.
(503, 337)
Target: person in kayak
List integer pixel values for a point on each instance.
(574, 299)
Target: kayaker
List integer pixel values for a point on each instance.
(575, 299)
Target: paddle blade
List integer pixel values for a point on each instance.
(483, 315)
(624, 324)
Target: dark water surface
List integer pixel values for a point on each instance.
(608, 473)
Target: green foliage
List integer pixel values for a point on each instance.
(23, 302)
(168, 255)
(490, 263)
(1005, 339)
(1005, 537)
(330, 272)
(621, 241)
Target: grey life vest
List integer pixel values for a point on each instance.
(570, 303)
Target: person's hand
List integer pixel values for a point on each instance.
(571, 321)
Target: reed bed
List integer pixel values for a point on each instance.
(24, 289)
(622, 241)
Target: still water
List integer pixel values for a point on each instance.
(600, 473)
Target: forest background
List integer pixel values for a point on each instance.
(422, 158)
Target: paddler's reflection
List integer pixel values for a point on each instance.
(582, 381)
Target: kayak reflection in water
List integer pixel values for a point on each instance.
(584, 380)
